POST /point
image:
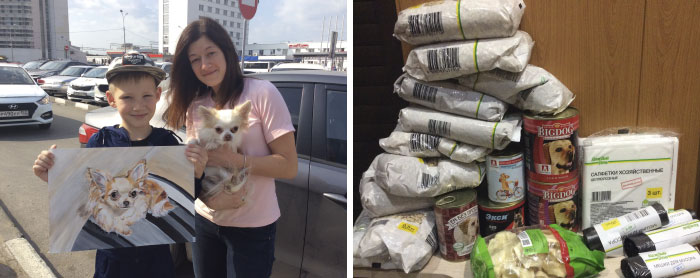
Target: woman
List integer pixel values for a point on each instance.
(206, 72)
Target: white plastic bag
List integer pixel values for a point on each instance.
(426, 145)
(382, 261)
(533, 89)
(416, 177)
(441, 21)
(409, 238)
(451, 98)
(377, 202)
(453, 59)
(493, 135)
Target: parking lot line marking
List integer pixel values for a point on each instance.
(82, 105)
(28, 259)
(59, 100)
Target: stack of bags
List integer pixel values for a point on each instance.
(471, 65)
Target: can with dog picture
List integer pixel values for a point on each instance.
(495, 217)
(554, 203)
(457, 221)
(550, 146)
(505, 175)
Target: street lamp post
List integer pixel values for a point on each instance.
(12, 44)
(124, 28)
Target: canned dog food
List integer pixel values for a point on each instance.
(505, 175)
(495, 217)
(550, 146)
(550, 203)
(457, 219)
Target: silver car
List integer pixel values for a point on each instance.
(311, 233)
(86, 86)
(58, 84)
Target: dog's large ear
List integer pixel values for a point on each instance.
(138, 173)
(99, 178)
(207, 114)
(243, 109)
(545, 151)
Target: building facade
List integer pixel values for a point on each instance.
(174, 15)
(300, 52)
(34, 29)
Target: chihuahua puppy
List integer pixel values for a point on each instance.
(115, 203)
(223, 128)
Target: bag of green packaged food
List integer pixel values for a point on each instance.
(542, 251)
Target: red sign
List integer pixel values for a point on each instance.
(299, 45)
(248, 8)
(65, 48)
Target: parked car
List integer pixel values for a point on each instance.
(296, 66)
(52, 68)
(32, 65)
(259, 66)
(58, 84)
(311, 233)
(166, 66)
(22, 102)
(85, 87)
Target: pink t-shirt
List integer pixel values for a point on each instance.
(269, 119)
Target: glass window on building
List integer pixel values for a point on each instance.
(225, 12)
(218, 1)
(201, 7)
(208, 9)
(272, 51)
(239, 24)
(224, 23)
(261, 52)
(238, 35)
(250, 52)
(217, 10)
(231, 24)
(225, 2)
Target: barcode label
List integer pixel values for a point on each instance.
(524, 239)
(424, 92)
(427, 180)
(506, 75)
(601, 196)
(443, 59)
(636, 215)
(421, 142)
(431, 239)
(425, 24)
(440, 128)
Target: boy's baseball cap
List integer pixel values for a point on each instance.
(132, 62)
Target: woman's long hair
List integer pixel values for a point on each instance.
(185, 86)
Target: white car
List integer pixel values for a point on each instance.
(296, 66)
(259, 66)
(22, 101)
(86, 87)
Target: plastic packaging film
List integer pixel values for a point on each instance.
(426, 145)
(666, 237)
(668, 262)
(440, 21)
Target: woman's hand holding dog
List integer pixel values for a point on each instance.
(225, 157)
(43, 163)
(197, 155)
(225, 200)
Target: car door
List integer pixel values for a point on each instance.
(292, 194)
(325, 244)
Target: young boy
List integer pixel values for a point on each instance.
(133, 91)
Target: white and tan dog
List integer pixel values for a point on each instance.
(560, 155)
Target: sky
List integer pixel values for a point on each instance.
(97, 23)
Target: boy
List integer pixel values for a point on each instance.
(133, 91)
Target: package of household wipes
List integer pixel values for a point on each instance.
(625, 172)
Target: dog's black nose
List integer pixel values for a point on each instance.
(126, 203)
(227, 137)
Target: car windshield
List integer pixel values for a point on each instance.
(255, 65)
(53, 65)
(32, 65)
(96, 73)
(14, 76)
(72, 71)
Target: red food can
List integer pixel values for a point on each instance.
(550, 143)
(457, 221)
(554, 203)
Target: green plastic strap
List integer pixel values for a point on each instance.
(478, 105)
(476, 63)
(493, 136)
(476, 80)
(477, 165)
(454, 147)
(459, 20)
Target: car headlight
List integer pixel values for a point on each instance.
(44, 100)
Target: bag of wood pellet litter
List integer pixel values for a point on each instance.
(451, 98)
(377, 202)
(453, 59)
(493, 135)
(442, 21)
(534, 251)
(409, 239)
(416, 177)
(533, 89)
(426, 145)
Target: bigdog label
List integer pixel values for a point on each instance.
(554, 203)
(550, 146)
